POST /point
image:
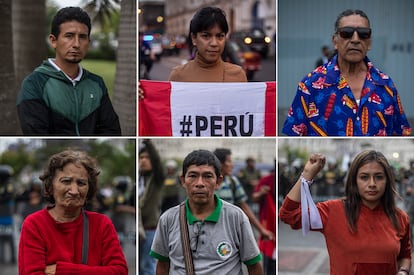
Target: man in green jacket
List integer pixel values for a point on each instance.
(60, 97)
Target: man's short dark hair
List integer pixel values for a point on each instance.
(207, 18)
(70, 14)
(201, 157)
(222, 153)
(348, 13)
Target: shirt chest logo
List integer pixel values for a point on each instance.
(224, 250)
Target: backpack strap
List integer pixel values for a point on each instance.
(85, 240)
(185, 242)
(233, 188)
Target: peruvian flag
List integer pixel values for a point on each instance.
(191, 109)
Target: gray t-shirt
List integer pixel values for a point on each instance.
(219, 243)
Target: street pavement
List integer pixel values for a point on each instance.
(298, 254)
(130, 250)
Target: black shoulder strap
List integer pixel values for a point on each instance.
(85, 241)
(185, 242)
(232, 187)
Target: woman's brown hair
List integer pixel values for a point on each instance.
(353, 198)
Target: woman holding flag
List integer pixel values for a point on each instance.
(207, 35)
(365, 232)
(186, 105)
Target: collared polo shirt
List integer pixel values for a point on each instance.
(219, 243)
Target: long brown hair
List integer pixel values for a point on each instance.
(353, 198)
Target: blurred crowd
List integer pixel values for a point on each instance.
(116, 199)
(330, 182)
(160, 189)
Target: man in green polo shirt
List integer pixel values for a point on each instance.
(220, 234)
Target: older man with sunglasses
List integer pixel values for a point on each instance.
(347, 96)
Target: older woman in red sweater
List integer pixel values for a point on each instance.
(64, 238)
(365, 232)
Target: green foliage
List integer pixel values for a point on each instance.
(105, 26)
(115, 157)
(105, 51)
(294, 153)
(51, 10)
(104, 68)
(110, 23)
(105, 15)
(18, 158)
(117, 161)
(104, 12)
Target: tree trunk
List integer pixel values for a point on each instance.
(8, 114)
(125, 98)
(29, 33)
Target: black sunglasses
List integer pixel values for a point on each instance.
(348, 32)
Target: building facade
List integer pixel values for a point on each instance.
(241, 14)
(151, 18)
(305, 26)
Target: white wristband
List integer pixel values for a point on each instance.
(303, 179)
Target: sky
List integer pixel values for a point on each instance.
(67, 3)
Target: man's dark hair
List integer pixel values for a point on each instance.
(70, 14)
(208, 17)
(201, 157)
(348, 13)
(157, 168)
(222, 153)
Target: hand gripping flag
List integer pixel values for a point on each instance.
(191, 109)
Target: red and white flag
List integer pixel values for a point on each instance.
(193, 109)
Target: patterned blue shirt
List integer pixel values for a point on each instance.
(325, 106)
